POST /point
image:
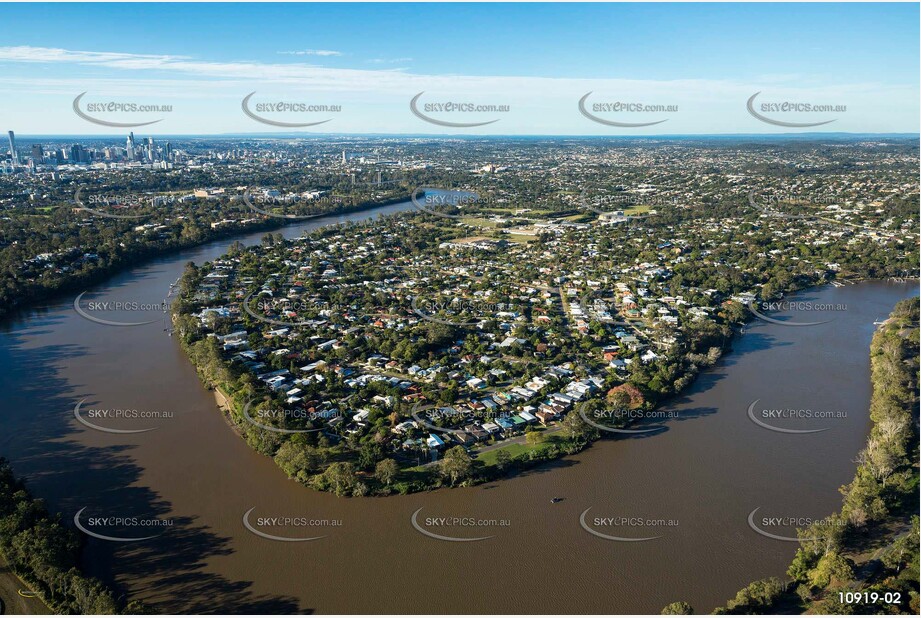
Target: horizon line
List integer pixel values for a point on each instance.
(487, 135)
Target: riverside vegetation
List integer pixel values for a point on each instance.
(340, 332)
(46, 555)
(872, 544)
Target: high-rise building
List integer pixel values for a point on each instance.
(150, 149)
(78, 154)
(169, 152)
(343, 154)
(13, 154)
(37, 153)
(129, 146)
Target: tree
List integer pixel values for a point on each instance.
(369, 454)
(503, 459)
(386, 471)
(634, 398)
(757, 598)
(298, 460)
(575, 427)
(620, 399)
(678, 607)
(533, 438)
(341, 478)
(832, 570)
(456, 464)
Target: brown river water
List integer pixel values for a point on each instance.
(688, 486)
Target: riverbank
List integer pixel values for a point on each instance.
(656, 378)
(408, 478)
(865, 557)
(39, 558)
(15, 596)
(78, 283)
(261, 367)
(192, 470)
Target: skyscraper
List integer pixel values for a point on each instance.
(13, 154)
(129, 147)
(78, 154)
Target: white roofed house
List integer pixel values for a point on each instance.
(476, 383)
(404, 427)
(434, 441)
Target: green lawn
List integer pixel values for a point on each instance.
(519, 238)
(489, 458)
(478, 222)
(637, 210)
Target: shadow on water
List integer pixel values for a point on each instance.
(680, 403)
(751, 341)
(546, 466)
(39, 439)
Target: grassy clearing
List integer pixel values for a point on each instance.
(489, 458)
(519, 238)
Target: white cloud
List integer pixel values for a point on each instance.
(376, 98)
(389, 60)
(312, 52)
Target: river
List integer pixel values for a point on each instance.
(693, 483)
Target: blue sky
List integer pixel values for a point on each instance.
(696, 65)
